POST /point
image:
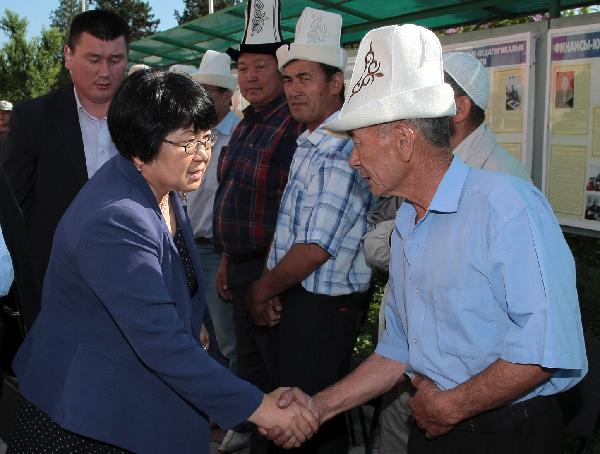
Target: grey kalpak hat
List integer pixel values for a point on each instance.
(470, 75)
(397, 75)
(262, 34)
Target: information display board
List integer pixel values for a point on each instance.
(571, 177)
(510, 66)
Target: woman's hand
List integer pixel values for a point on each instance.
(204, 337)
(222, 286)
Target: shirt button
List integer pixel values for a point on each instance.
(414, 340)
(418, 291)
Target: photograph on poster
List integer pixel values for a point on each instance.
(570, 99)
(565, 81)
(592, 207)
(513, 92)
(507, 99)
(593, 183)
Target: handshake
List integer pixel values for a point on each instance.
(288, 417)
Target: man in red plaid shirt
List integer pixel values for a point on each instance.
(252, 173)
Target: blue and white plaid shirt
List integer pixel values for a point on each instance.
(325, 202)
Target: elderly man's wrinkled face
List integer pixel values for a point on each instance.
(259, 79)
(97, 67)
(4, 121)
(373, 157)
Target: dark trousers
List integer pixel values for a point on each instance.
(541, 433)
(311, 348)
(251, 340)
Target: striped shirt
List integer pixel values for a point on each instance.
(252, 173)
(325, 203)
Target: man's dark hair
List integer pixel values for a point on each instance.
(102, 24)
(329, 72)
(435, 130)
(150, 104)
(477, 114)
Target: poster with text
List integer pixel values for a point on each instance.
(509, 64)
(571, 178)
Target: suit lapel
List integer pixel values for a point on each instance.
(66, 122)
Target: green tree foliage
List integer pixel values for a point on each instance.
(27, 68)
(193, 9)
(61, 17)
(138, 14)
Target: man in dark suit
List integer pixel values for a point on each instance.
(58, 141)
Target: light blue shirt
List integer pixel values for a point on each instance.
(325, 202)
(97, 143)
(200, 202)
(485, 274)
(7, 273)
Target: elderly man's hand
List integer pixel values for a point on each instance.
(289, 397)
(429, 408)
(293, 425)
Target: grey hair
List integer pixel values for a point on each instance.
(435, 130)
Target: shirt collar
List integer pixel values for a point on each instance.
(227, 124)
(80, 107)
(314, 137)
(476, 148)
(447, 195)
(267, 110)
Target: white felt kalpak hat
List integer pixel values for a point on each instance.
(397, 75)
(183, 69)
(215, 69)
(137, 67)
(317, 39)
(6, 105)
(470, 75)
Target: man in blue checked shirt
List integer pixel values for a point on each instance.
(314, 292)
(482, 309)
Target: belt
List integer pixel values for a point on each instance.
(246, 257)
(202, 241)
(504, 418)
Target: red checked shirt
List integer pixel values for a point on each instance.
(252, 173)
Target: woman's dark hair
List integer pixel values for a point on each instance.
(102, 24)
(152, 103)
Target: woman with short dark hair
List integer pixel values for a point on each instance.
(113, 362)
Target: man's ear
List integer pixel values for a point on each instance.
(336, 83)
(68, 53)
(463, 108)
(404, 135)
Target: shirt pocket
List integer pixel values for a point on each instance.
(466, 321)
